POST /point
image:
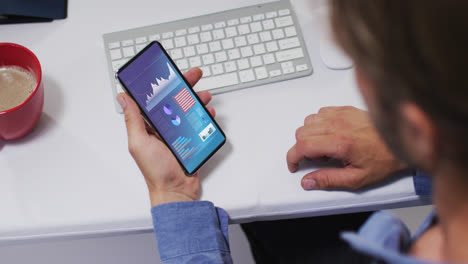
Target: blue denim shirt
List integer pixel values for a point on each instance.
(197, 232)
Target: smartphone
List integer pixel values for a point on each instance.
(171, 107)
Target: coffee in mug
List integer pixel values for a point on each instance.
(16, 85)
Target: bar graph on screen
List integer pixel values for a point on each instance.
(180, 146)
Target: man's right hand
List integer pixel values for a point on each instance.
(346, 134)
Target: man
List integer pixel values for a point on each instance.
(409, 61)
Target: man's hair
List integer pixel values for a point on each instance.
(413, 51)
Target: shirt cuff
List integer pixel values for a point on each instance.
(184, 228)
(422, 183)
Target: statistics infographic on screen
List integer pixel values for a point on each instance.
(171, 106)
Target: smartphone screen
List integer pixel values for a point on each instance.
(171, 107)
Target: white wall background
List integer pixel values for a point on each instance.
(139, 248)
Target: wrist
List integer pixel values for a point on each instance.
(158, 198)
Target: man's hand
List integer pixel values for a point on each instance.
(346, 134)
(165, 178)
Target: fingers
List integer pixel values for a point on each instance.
(316, 147)
(205, 97)
(136, 128)
(193, 76)
(340, 178)
(212, 111)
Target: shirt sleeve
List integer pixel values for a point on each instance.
(422, 183)
(191, 232)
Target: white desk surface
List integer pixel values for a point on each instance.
(74, 176)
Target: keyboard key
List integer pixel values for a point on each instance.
(221, 56)
(217, 69)
(193, 39)
(243, 29)
(167, 35)
(265, 36)
(246, 51)
(272, 46)
(217, 81)
(278, 33)
(220, 24)
(253, 38)
(194, 30)
(261, 73)
(114, 45)
(154, 37)
(246, 19)
(180, 42)
(243, 64)
(195, 61)
(218, 34)
(127, 43)
(205, 36)
(256, 61)
(140, 47)
(259, 49)
(233, 54)
(141, 40)
(284, 12)
(202, 48)
(181, 32)
(128, 52)
(240, 41)
(289, 54)
(247, 75)
(258, 17)
(283, 21)
(268, 24)
(227, 44)
(182, 64)
(275, 73)
(207, 27)
(287, 67)
(208, 59)
(231, 32)
(302, 67)
(290, 31)
(115, 54)
(268, 58)
(118, 63)
(119, 88)
(256, 26)
(215, 46)
(233, 22)
(189, 51)
(206, 72)
(167, 44)
(271, 14)
(230, 66)
(176, 54)
(289, 43)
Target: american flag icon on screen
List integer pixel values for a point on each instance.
(184, 99)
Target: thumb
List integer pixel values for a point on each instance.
(136, 128)
(336, 178)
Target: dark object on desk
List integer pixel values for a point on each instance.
(26, 11)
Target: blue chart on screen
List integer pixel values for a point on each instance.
(180, 146)
(168, 109)
(175, 120)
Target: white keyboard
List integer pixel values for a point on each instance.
(235, 49)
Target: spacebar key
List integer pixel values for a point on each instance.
(217, 81)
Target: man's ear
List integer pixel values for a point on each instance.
(420, 135)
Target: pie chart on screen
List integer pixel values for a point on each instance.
(175, 120)
(167, 109)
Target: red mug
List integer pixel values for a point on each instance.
(18, 121)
